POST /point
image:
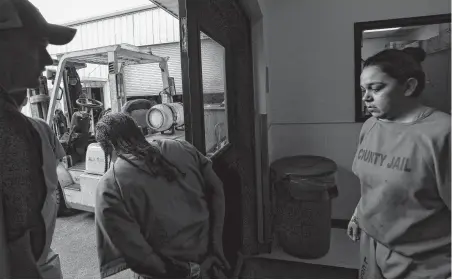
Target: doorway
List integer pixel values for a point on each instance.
(220, 117)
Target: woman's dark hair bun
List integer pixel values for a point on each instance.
(417, 53)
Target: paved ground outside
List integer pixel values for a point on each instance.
(75, 241)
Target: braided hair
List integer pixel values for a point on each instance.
(120, 132)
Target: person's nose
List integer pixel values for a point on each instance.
(366, 96)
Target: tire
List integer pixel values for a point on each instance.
(62, 209)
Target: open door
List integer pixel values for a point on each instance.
(218, 101)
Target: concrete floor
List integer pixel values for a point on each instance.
(75, 241)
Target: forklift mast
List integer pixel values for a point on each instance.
(116, 82)
(39, 99)
(72, 88)
(115, 57)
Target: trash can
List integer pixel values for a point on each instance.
(303, 188)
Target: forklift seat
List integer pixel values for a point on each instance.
(77, 139)
(138, 109)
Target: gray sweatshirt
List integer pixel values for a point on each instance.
(404, 171)
(138, 215)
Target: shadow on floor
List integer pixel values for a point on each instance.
(258, 268)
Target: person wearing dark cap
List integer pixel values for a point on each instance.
(52, 153)
(24, 36)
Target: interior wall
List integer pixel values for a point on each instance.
(425, 32)
(437, 89)
(310, 52)
(374, 45)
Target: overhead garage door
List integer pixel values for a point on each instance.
(145, 79)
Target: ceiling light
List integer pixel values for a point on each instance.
(381, 30)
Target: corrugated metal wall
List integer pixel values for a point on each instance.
(146, 79)
(144, 28)
(213, 66)
(156, 29)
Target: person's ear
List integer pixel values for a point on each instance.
(411, 85)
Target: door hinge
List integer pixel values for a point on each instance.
(184, 34)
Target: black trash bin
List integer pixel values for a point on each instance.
(304, 187)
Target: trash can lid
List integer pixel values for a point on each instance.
(304, 166)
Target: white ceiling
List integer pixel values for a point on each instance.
(250, 7)
(171, 6)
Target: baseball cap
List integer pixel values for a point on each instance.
(23, 14)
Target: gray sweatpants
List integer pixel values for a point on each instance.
(380, 262)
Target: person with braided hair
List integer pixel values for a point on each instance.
(403, 219)
(159, 206)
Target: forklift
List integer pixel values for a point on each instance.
(82, 105)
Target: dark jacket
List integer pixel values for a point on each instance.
(23, 191)
(138, 215)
